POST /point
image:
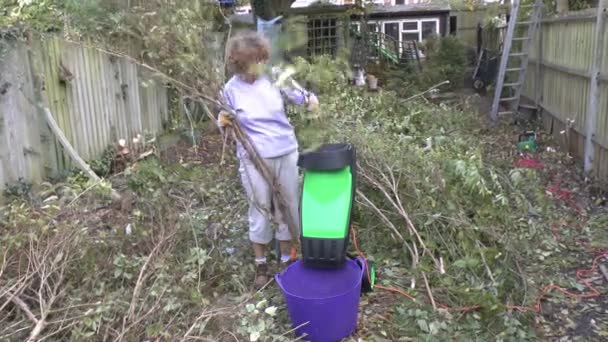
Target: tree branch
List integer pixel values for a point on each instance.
(426, 91)
(25, 308)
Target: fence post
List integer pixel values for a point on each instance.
(540, 85)
(594, 93)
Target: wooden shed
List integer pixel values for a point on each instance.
(330, 27)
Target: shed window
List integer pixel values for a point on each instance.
(322, 36)
(405, 31)
(453, 24)
(408, 37)
(410, 26)
(429, 28)
(392, 30)
(371, 27)
(419, 29)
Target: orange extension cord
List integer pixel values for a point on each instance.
(581, 275)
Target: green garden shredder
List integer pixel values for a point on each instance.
(327, 201)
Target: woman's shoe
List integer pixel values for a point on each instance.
(261, 275)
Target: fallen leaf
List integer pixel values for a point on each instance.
(272, 310)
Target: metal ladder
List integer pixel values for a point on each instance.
(522, 55)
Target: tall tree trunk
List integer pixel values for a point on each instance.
(268, 9)
(562, 6)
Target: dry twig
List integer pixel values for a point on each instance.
(141, 279)
(192, 135)
(604, 271)
(207, 315)
(42, 284)
(388, 184)
(428, 291)
(427, 91)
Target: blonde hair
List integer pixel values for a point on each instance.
(244, 49)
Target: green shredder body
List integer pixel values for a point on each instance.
(326, 204)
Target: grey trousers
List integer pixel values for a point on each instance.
(259, 194)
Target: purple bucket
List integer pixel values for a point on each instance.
(323, 303)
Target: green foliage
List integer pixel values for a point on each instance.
(18, 189)
(182, 41)
(469, 208)
(466, 209)
(258, 322)
(492, 8)
(323, 73)
(573, 5)
(447, 61)
(429, 326)
(148, 177)
(180, 38)
(103, 165)
(577, 5)
(182, 245)
(87, 16)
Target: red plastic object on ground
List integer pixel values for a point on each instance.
(566, 196)
(528, 163)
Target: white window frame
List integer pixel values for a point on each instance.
(435, 20)
(401, 22)
(409, 2)
(358, 25)
(377, 24)
(378, 27)
(419, 26)
(418, 29)
(398, 22)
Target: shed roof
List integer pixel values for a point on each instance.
(413, 9)
(375, 10)
(430, 7)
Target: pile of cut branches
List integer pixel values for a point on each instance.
(74, 266)
(446, 226)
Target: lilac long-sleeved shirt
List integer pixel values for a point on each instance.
(260, 111)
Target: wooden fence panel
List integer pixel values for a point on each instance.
(466, 26)
(559, 76)
(602, 122)
(95, 98)
(468, 19)
(21, 157)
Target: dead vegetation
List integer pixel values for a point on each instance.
(77, 266)
(465, 243)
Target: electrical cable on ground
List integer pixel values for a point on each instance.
(390, 289)
(582, 276)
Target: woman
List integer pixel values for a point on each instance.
(260, 111)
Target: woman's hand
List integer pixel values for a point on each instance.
(313, 103)
(224, 119)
